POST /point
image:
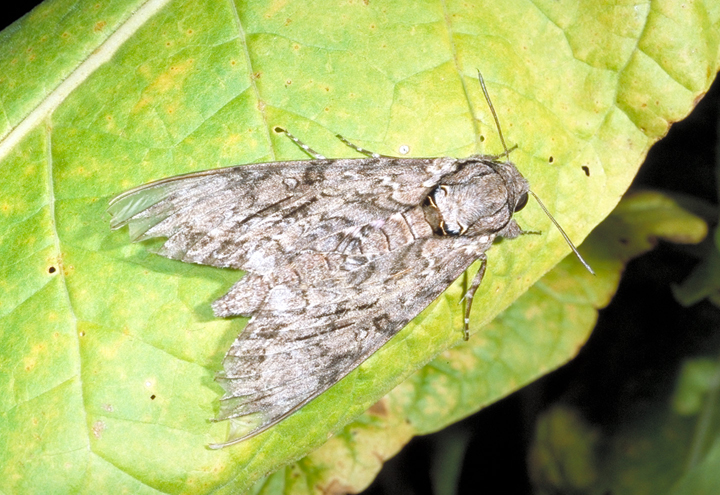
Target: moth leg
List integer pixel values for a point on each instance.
(469, 296)
(307, 149)
(361, 150)
(506, 154)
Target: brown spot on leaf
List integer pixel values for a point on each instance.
(337, 486)
(698, 98)
(379, 408)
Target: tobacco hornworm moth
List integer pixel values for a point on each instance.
(339, 255)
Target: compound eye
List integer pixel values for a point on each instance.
(452, 232)
(521, 202)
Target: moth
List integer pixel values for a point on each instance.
(339, 255)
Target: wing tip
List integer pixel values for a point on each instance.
(242, 427)
(128, 208)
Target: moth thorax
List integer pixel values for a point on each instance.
(453, 209)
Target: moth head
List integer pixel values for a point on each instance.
(517, 186)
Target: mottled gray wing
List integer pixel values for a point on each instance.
(246, 217)
(304, 338)
(337, 247)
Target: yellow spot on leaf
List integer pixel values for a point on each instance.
(97, 428)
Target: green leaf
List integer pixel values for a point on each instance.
(703, 282)
(698, 377)
(564, 452)
(108, 351)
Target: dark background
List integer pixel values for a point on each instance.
(632, 356)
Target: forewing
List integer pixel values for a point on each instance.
(225, 217)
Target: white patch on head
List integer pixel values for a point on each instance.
(484, 238)
(442, 166)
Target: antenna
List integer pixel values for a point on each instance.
(565, 236)
(492, 111)
(502, 139)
